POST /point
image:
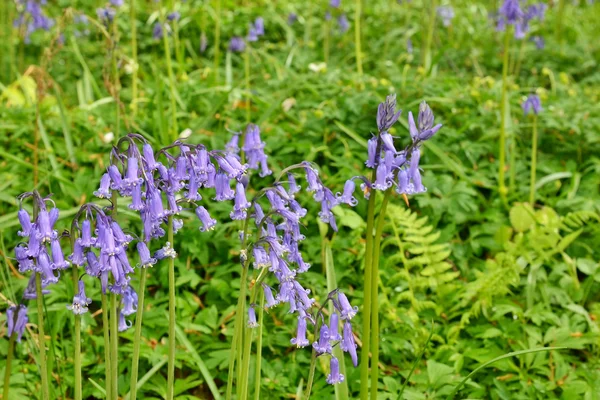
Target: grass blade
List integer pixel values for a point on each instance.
(416, 362)
(148, 375)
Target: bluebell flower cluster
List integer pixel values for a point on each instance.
(511, 13)
(395, 168)
(16, 320)
(532, 104)
(341, 18)
(237, 44)
(32, 17)
(256, 30)
(446, 13)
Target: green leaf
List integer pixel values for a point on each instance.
(521, 217)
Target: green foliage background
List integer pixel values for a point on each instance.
(491, 279)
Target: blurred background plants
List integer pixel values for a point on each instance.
(493, 276)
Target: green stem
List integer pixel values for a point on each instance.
(368, 273)
(512, 167)
(258, 364)
(42, 336)
(559, 19)
(517, 68)
(135, 362)
(502, 144)
(429, 39)
(114, 346)
(326, 32)
(107, 363)
(357, 18)
(375, 297)
(236, 342)
(134, 54)
(247, 77)
(217, 39)
(8, 368)
(313, 365)
(115, 70)
(174, 129)
(77, 337)
(245, 365)
(171, 362)
(176, 41)
(534, 140)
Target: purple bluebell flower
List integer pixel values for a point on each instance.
(25, 221)
(538, 41)
(334, 376)
(80, 301)
(387, 142)
(347, 344)
(300, 340)
(254, 148)
(25, 263)
(58, 258)
(16, 323)
(93, 265)
(45, 225)
(292, 18)
(223, 190)
(174, 16)
(157, 31)
(382, 183)
(386, 113)
(116, 3)
(511, 11)
(106, 15)
(347, 312)
(208, 223)
(409, 46)
(44, 267)
(532, 104)
(123, 323)
(241, 204)
(322, 345)
(146, 260)
(271, 301)
(86, 239)
(78, 257)
(334, 333)
(446, 13)
(130, 301)
(30, 292)
(343, 23)
(335, 3)
(372, 153)
(237, 44)
(259, 26)
(166, 252)
(103, 191)
(252, 317)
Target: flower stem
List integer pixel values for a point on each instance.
(257, 368)
(134, 55)
(357, 48)
(107, 363)
(217, 39)
(374, 295)
(171, 360)
(114, 346)
(77, 336)
(429, 38)
(313, 365)
(534, 140)
(247, 76)
(326, 33)
(368, 273)
(7, 369)
(174, 129)
(501, 151)
(137, 336)
(236, 341)
(42, 336)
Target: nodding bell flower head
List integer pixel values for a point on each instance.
(16, 320)
(343, 23)
(146, 260)
(103, 191)
(130, 301)
(237, 44)
(271, 301)
(157, 31)
(532, 104)
(252, 317)
(123, 323)
(25, 221)
(425, 129)
(446, 13)
(386, 113)
(334, 376)
(207, 222)
(372, 153)
(106, 15)
(174, 16)
(511, 12)
(292, 18)
(166, 252)
(334, 321)
(323, 345)
(25, 263)
(259, 26)
(347, 197)
(347, 312)
(335, 3)
(347, 344)
(300, 339)
(80, 301)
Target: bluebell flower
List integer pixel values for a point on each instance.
(322, 345)
(252, 317)
(123, 323)
(300, 340)
(343, 23)
(16, 323)
(157, 31)
(334, 322)
(347, 344)
(334, 376)
(80, 301)
(237, 44)
(25, 221)
(532, 104)
(446, 13)
(130, 301)
(165, 252)
(347, 312)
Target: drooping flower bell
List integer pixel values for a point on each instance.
(80, 301)
(532, 104)
(16, 321)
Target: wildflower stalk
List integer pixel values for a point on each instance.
(176, 40)
(502, 143)
(258, 364)
(559, 19)
(374, 295)
(114, 346)
(512, 164)
(357, 13)
(236, 342)
(134, 55)
(174, 129)
(534, 140)
(171, 359)
(327, 31)
(41, 336)
(107, 363)
(426, 58)
(137, 335)
(247, 77)
(368, 273)
(115, 70)
(217, 39)
(77, 328)
(313, 365)
(8, 368)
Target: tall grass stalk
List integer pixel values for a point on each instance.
(8, 367)
(366, 314)
(107, 363)
(114, 346)
(177, 42)
(135, 360)
(171, 75)
(502, 142)
(171, 359)
(134, 56)
(217, 39)
(260, 330)
(41, 335)
(534, 140)
(426, 54)
(77, 329)
(247, 80)
(375, 295)
(357, 48)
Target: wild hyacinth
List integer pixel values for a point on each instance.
(237, 44)
(16, 320)
(32, 17)
(511, 13)
(533, 106)
(446, 13)
(393, 169)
